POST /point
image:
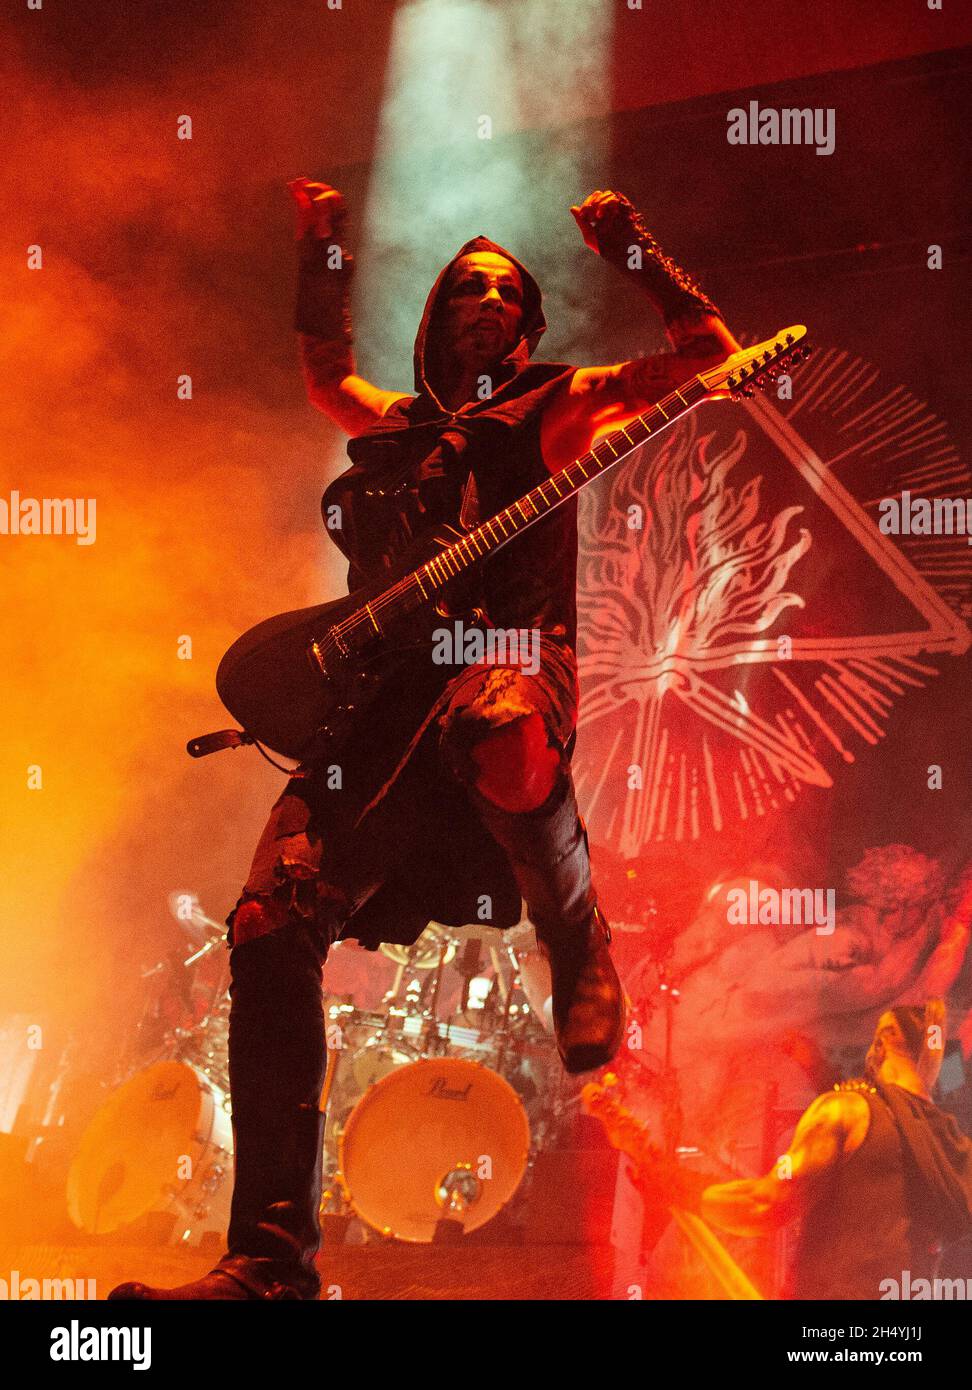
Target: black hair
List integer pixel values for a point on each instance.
(911, 1020)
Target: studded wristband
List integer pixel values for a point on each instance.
(625, 241)
(324, 273)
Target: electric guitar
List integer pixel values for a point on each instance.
(626, 1133)
(303, 681)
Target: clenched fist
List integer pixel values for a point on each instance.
(321, 209)
(597, 212)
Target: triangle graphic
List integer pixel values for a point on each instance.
(663, 669)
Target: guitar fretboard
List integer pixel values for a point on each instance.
(419, 587)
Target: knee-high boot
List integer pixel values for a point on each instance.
(548, 853)
(277, 1057)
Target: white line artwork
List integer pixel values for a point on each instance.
(719, 675)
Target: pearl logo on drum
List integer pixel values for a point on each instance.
(442, 1091)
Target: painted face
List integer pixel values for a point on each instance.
(483, 308)
(888, 1037)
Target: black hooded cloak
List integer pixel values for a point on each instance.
(409, 471)
(418, 466)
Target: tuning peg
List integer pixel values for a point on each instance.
(789, 339)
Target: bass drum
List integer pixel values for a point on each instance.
(361, 1069)
(441, 1138)
(162, 1144)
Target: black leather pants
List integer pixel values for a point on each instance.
(277, 1061)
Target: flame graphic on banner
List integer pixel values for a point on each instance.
(684, 572)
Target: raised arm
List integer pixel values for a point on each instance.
(323, 318)
(602, 398)
(827, 1134)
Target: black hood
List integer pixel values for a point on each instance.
(532, 329)
(408, 463)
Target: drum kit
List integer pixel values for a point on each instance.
(443, 1086)
(470, 1095)
(437, 1100)
(159, 1150)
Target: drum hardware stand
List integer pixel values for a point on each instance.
(433, 1010)
(391, 994)
(667, 1078)
(456, 1193)
(504, 1023)
(501, 981)
(468, 969)
(448, 1231)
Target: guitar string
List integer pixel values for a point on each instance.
(409, 582)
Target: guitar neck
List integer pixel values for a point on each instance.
(630, 1136)
(420, 586)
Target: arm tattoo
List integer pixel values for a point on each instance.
(698, 345)
(649, 378)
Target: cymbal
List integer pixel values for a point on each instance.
(494, 936)
(427, 952)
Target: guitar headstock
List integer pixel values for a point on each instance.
(605, 1101)
(750, 368)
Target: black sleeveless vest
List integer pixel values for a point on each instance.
(863, 1228)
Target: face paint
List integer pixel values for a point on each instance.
(483, 308)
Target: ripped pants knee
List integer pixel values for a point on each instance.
(316, 907)
(289, 878)
(500, 744)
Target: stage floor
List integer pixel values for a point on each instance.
(365, 1272)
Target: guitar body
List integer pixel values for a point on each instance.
(270, 683)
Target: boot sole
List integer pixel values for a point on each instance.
(588, 1058)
